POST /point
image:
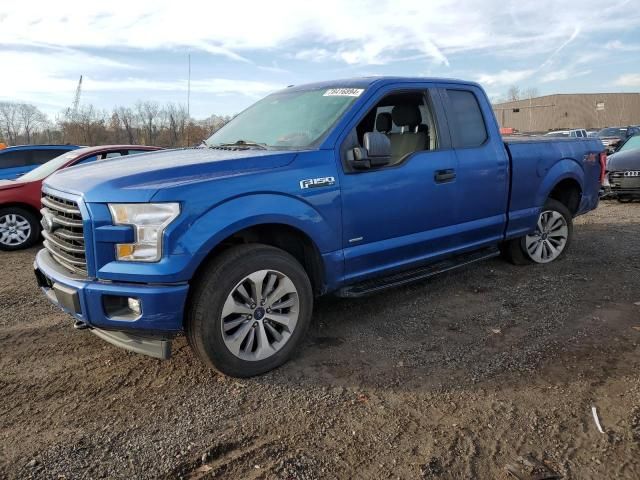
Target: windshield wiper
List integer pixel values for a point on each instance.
(243, 143)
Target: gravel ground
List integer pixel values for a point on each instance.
(454, 377)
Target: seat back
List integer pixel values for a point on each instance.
(384, 123)
(413, 136)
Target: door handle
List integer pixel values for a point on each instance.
(442, 176)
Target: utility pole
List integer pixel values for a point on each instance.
(188, 99)
(189, 88)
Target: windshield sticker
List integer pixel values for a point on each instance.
(343, 92)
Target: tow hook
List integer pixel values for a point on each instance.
(80, 325)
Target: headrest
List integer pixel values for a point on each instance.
(383, 122)
(406, 115)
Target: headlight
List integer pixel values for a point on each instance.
(149, 221)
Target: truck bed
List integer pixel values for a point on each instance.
(537, 164)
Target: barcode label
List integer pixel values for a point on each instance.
(343, 92)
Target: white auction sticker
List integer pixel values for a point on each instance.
(343, 92)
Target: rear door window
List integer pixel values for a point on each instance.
(466, 119)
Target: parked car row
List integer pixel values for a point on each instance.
(20, 197)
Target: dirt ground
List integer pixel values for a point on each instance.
(454, 377)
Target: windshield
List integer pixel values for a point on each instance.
(632, 144)
(46, 169)
(287, 120)
(612, 132)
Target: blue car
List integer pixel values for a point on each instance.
(16, 161)
(346, 187)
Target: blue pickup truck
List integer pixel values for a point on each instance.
(345, 187)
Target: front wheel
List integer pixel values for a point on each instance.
(249, 310)
(548, 242)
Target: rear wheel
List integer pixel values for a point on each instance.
(19, 228)
(249, 310)
(549, 241)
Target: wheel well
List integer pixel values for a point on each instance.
(569, 193)
(287, 238)
(24, 206)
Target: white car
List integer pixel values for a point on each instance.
(577, 133)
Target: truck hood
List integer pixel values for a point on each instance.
(138, 178)
(624, 161)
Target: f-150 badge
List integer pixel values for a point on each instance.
(317, 182)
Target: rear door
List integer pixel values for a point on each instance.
(482, 174)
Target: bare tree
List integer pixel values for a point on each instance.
(513, 94)
(31, 120)
(90, 123)
(147, 122)
(175, 119)
(10, 121)
(149, 115)
(531, 92)
(127, 118)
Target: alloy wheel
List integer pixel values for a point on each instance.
(549, 239)
(260, 315)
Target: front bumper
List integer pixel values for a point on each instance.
(162, 307)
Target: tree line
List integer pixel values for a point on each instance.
(145, 123)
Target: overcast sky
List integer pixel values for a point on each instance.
(240, 50)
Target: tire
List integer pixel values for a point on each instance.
(228, 327)
(554, 243)
(19, 228)
(625, 199)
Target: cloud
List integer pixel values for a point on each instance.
(504, 77)
(49, 77)
(622, 47)
(216, 86)
(563, 74)
(49, 44)
(314, 55)
(351, 32)
(628, 80)
(49, 72)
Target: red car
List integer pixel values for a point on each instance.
(20, 199)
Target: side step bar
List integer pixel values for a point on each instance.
(408, 276)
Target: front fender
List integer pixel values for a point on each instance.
(243, 212)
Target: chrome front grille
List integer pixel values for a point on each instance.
(618, 180)
(63, 233)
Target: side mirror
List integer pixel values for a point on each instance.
(375, 153)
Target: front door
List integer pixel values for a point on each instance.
(401, 213)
